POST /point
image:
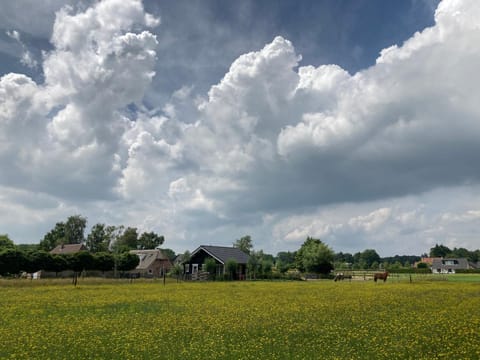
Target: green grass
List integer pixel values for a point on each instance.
(239, 320)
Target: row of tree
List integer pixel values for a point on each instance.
(101, 238)
(446, 252)
(14, 261)
(315, 256)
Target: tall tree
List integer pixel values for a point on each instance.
(169, 253)
(439, 251)
(254, 263)
(231, 267)
(368, 257)
(74, 229)
(314, 256)
(285, 261)
(54, 237)
(244, 243)
(6, 242)
(150, 240)
(99, 238)
(128, 240)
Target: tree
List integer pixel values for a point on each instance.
(211, 267)
(231, 266)
(81, 261)
(176, 270)
(128, 240)
(285, 261)
(5, 242)
(74, 229)
(27, 247)
(254, 263)
(314, 256)
(169, 253)
(99, 238)
(244, 244)
(368, 257)
(104, 261)
(439, 251)
(12, 261)
(37, 260)
(150, 240)
(267, 267)
(127, 261)
(54, 237)
(344, 260)
(461, 253)
(59, 263)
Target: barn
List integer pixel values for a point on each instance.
(221, 255)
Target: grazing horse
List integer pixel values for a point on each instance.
(338, 277)
(342, 276)
(382, 276)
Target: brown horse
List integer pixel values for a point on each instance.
(382, 276)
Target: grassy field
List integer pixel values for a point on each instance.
(239, 320)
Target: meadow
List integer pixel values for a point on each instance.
(100, 319)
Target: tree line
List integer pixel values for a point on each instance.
(314, 256)
(102, 237)
(108, 248)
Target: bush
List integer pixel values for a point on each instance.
(468, 271)
(409, 271)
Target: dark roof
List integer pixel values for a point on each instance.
(68, 249)
(450, 263)
(224, 253)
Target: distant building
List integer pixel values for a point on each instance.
(65, 249)
(221, 255)
(427, 260)
(450, 265)
(153, 263)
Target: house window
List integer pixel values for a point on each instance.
(187, 268)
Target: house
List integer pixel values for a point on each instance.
(449, 265)
(221, 255)
(425, 260)
(153, 263)
(64, 249)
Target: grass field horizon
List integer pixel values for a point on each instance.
(105, 319)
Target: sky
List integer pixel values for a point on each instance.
(353, 121)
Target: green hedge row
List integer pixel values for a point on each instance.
(467, 271)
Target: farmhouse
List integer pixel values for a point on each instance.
(153, 263)
(63, 249)
(221, 255)
(450, 265)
